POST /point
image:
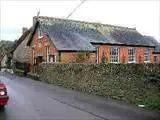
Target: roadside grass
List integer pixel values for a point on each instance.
(152, 102)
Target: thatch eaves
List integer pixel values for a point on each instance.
(21, 50)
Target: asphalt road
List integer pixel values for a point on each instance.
(34, 100)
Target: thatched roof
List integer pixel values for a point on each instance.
(20, 50)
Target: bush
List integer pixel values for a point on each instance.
(152, 101)
(130, 83)
(32, 76)
(19, 72)
(21, 66)
(8, 61)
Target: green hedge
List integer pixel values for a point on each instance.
(19, 72)
(130, 83)
(32, 76)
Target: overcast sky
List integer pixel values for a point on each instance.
(142, 14)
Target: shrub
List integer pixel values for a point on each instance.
(19, 72)
(130, 83)
(33, 76)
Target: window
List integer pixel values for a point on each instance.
(146, 55)
(114, 54)
(52, 58)
(155, 59)
(131, 55)
(49, 56)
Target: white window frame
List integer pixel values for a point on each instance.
(132, 56)
(47, 53)
(147, 54)
(112, 57)
(54, 58)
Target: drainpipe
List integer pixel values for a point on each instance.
(59, 56)
(97, 55)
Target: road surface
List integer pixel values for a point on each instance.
(34, 100)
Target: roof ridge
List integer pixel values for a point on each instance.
(88, 22)
(21, 39)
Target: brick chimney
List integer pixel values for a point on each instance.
(24, 29)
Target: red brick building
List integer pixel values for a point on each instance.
(156, 54)
(68, 41)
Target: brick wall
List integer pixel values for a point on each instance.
(101, 49)
(158, 56)
(123, 53)
(68, 57)
(139, 55)
(39, 47)
(62, 57)
(41, 44)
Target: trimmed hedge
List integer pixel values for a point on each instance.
(130, 83)
(19, 72)
(21, 66)
(32, 76)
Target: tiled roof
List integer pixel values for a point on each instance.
(65, 39)
(79, 36)
(150, 40)
(96, 32)
(157, 49)
(131, 37)
(154, 42)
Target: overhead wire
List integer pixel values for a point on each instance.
(74, 10)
